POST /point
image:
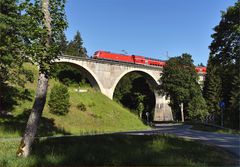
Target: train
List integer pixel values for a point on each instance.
(135, 59)
(128, 58)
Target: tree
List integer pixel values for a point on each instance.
(63, 43)
(212, 90)
(235, 102)
(197, 108)
(11, 59)
(139, 103)
(45, 23)
(59, 100)
(67, 74)
(75, 47)
(225, 58)
(179, 82)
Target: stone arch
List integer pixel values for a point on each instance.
(87, 72)
(153, 82)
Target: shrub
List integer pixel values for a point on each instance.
(59, 100)
(197, 108)
(81, 107)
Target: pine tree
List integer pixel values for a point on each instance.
(212, 89)
(234, 109)
(59, 100)
(63, 43)
(11, 59)
(197, 108)
(75, 47)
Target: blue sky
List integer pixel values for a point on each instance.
(151, 28)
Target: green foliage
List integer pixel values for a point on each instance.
(10, 41)
(225, 45)
(81, 106)
(179, 82)
(140, 103)
(11, 44)
(66, 74)
(63, 43)
(197, 108)
(75, 47)
(234, 109)
(59, 100)
(223, 66)
(36, 34)
(134, 92)
(212, 90)
(124, 88)
(69, 75)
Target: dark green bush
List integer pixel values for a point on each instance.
(81, 107)
(59, 100)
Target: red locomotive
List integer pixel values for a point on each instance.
(128, 58)
(136, 60)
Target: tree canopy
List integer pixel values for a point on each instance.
(223, 66)
(11, 44)
(75, 47)
(179, 81)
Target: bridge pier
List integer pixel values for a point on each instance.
(108, 93)
(162, 111)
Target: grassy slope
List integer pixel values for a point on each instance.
(102, 115)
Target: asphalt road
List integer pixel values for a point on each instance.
(230, 142)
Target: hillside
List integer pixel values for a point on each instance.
(101, 115)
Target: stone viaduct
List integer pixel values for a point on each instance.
(104, 76)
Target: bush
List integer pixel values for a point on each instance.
(59, 100)
(81, 107)
(197, 108)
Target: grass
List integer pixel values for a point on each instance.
(101, 115)
(116, 150)
(211, 128)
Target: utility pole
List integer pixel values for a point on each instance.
(182, 114)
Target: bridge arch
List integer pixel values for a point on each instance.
(151, 79)
(87, 72)
(105, 75)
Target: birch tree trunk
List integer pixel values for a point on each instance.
(34, 118)
(41, 92)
